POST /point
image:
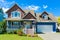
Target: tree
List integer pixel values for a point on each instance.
(1, 14)
(58, 20)
(2, 22)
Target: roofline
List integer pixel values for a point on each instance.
(13, 6)
(30, 13)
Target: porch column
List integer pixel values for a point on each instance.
(11, 24)
(7, 25)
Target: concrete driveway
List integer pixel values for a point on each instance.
(50, 36)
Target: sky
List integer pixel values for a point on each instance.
(50, 6)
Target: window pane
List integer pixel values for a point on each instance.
(15, 23)
(15, 14)
(45, 16)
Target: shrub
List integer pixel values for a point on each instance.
(28, 35)
(15, 32)
(24, 34)
(12, 31)
(20, 32)
(35, 35)
(57, 30)
(3, 26)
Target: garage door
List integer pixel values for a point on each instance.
(45, 27)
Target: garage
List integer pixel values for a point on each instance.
(45, 27)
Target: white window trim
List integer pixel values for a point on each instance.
(45, 17)
(16, 17)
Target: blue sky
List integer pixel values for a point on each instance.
(51, 6)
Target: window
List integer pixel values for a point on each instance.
(44, 16)
(15, 14)
(15, 23)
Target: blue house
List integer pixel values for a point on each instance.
(28, 19)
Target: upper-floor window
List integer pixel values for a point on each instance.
(15, 14)
(44, 16)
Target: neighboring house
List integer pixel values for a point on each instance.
(1, 15)
(27, 19)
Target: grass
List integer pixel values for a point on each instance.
(16, 37)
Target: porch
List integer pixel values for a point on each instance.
(17, 24)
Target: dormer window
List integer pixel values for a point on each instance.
(15, 14)
(44, 16)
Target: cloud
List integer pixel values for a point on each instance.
(45, 6)
(32, 7)
(2, 0)
(5, 9)
(5, 5)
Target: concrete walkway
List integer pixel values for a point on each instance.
(51, 36)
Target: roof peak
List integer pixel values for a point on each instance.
(45, 12)
(15, 5)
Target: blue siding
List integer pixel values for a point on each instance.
(47, 23)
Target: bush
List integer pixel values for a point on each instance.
(24, 34)
(20, 32)
(3, 26)
(12, 31)
(15, 32)
(57, 30)
(35, 35)
(28, 35)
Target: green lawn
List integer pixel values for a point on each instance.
(16, 37)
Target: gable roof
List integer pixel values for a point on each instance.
(15, 5)
(40, 19)
(44, 13)
(28, 16)
(51, 16)
(31, 11)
